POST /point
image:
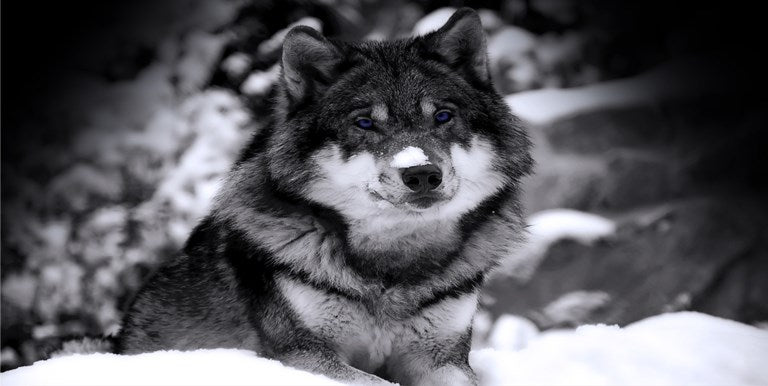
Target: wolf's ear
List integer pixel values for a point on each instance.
(309, 60)
(461, 42)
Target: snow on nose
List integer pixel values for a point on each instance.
(409, 157)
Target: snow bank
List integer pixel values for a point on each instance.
(203, 367)
(673, 349)
(684, 348)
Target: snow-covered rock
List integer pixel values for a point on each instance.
(549, 226)
(572, 308)
(672, 349)
(554, 224)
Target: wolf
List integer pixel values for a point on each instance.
(353, 234)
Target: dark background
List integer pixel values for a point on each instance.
(109, 109)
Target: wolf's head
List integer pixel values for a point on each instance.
(407, 132)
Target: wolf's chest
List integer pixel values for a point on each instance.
(368, 345)
(363, 333)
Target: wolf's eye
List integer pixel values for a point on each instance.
(443, 116)
(364, 123)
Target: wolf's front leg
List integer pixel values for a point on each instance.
(326, 362)
(436, 362)
(449, 375)
(435, 351)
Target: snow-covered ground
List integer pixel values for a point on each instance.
(683, 348)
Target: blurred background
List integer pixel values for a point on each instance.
(649, 119)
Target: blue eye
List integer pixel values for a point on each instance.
(443, 116)
(364, 123)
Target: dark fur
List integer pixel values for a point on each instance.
(221, 290)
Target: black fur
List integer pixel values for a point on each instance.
(223, 289)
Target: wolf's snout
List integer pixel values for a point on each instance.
(422, 179)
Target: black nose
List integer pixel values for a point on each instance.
(422, 179)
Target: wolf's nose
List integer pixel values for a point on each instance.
(422, 179)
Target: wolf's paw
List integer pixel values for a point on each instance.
(449, 375)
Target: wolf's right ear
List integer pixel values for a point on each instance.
(461, 42)
(309, 60)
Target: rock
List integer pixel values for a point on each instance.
(563, 181)
(626, 157)
(60, 290)
(511, 60)
(201, 52)
(19, 289)
(638, 178)
(83, 187)
(490, 19)
(606, 129)
(392, 19)
(681, 256)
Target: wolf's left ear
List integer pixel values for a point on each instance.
(461, 42)
(309, 60)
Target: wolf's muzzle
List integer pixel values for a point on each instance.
(422, 179)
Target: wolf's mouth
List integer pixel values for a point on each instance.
(415, 201)
(423, 202)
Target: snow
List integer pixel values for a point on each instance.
(511, 43)
(512, 333)
(236, 64)
(672, 349)
(490, 19)
(684, 348)
(554, 224)
(573, 308)
(667, 82)
(217, 118)
(202, 367)
(549, 226)
(433, 21)
(259, 83)
(409, 157)
(274, 44)
(201, 52)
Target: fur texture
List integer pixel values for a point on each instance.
(316, 252)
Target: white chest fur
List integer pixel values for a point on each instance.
(366, 341)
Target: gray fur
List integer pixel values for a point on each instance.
(316, 254)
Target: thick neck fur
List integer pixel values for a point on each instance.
(283, 223)
(314, 242)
